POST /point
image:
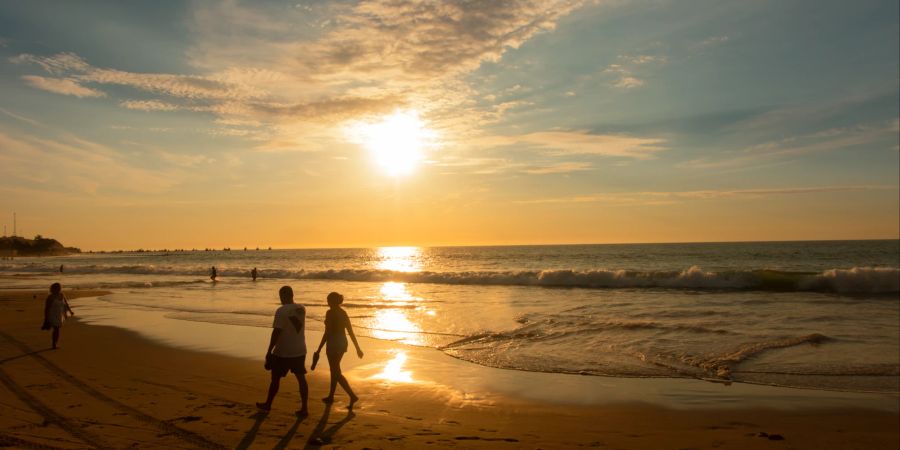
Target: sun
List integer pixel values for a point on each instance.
(396, 142)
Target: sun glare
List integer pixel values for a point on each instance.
(394, 370)
(396, 142)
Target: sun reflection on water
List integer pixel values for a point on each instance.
(393, 325)
(393, 370)
(397, 293)
(399, 259)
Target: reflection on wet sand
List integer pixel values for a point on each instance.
(394, 369)
(392, 324)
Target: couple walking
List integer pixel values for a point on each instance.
(287, 348)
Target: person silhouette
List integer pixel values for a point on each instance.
(336, 321)
(55, 308)
(212, 273)
(254, 274)
(287, 349)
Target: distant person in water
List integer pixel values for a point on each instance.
(287, 349)
(60, 268)
(336, 322)
(254, 274)
(212, 273)
(55, 308)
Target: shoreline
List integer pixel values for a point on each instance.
(113, 387)
(431, 366)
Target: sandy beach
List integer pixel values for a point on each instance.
(110, 388)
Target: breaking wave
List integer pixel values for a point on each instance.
(872, 280)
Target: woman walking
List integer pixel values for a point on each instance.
(336, 321)
(55, 308)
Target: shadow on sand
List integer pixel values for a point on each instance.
(251, 434)
(11, 358)
(320, 435)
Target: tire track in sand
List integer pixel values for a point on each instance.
(168, 428)
(12, 441)
(49, 414)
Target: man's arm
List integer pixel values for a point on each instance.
(276, 332)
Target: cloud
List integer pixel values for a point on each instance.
(148, 105)
(622, 73)
(64, 86)
(713, 40)
(581, 142)
(430, 39)
(343, 62)
(78, 70)
(670, 197)
(58, 64)
(77, 166)
(829, 140)
(565, 167)
(27, 120)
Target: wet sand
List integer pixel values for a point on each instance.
(110, 388)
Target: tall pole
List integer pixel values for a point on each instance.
(14, 224)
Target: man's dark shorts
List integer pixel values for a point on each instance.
(281, 366)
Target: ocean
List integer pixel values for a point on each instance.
(818, 315)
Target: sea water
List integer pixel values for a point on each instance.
(821, 315)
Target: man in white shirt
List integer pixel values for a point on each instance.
(287, 349)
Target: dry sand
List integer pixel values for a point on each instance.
(109, 388)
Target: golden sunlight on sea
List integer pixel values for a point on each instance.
(393, 323)
(399, 259)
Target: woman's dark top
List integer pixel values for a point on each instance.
(336, 321)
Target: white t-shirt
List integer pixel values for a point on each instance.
(291, 320)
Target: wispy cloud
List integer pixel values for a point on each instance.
(149, 105)
(566, 167)
(713, 40)
(349, 61)
(27, 120)
(834, 139)
(669, 197)
(623, 73)
(581, 142)
(64, 86)
(79, 166)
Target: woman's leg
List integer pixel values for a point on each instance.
(55, 336)
(337, 377)
(334, 365)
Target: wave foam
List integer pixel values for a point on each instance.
(855, 280)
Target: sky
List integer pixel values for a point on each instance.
(194, 124)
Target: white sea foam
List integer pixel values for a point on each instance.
(873, 280)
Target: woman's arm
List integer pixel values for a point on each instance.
(359, 351)
(47, 303)
(325, 334)
(66, 302)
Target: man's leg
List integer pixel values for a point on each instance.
(304, 394)
(273, 389)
